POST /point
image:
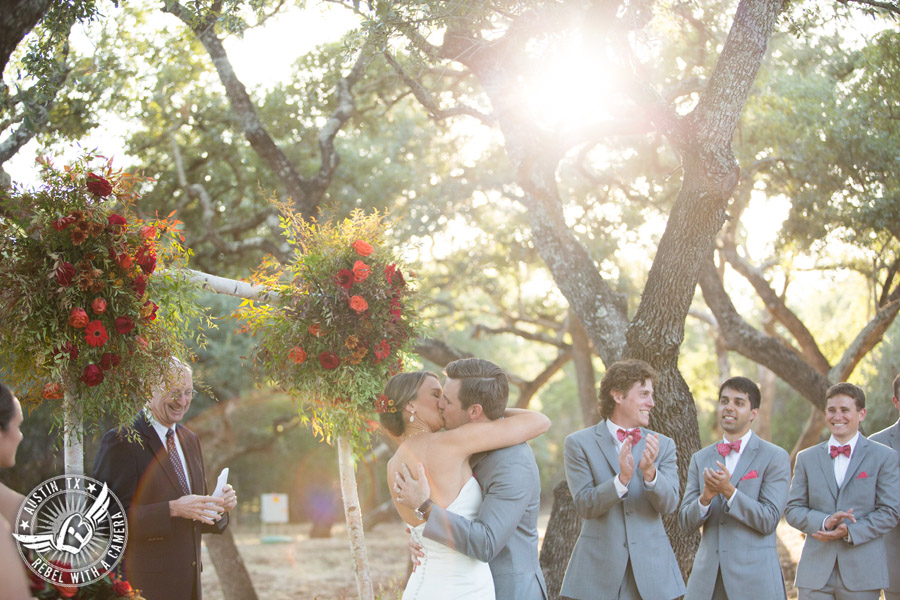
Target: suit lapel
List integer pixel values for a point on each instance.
(748, 455)
(607, 445)
(159, 451)
(827, 467)
(192, 458)
(859, 454)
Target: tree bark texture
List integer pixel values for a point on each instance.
(17, 18)
(584, 372)
(559, 540)
(230, 568)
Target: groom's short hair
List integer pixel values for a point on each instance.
(481, 382)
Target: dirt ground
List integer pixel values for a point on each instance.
(322, 569)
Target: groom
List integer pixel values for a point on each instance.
(504, 533)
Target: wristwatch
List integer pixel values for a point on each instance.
(421, 512)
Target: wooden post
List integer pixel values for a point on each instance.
(353, 516)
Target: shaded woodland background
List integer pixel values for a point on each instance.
(565, 174)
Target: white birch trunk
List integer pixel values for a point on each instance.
(229, 287)
(353, 515)
(73, 437)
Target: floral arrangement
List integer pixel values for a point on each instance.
(110, 587)
(81, 290)
(343, 320)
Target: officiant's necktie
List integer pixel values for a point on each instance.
(176, 461)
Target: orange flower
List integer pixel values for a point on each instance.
(363, 248)
(53, 391)
(98, 306)
(359, 304)
(351, 341)
(360, 271)
(78, 318)
(315, 329)
(148, 232)
(297, 354)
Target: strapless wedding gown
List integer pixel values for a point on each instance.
(444, 573)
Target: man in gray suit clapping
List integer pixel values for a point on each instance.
(736, 490)
(623, 478)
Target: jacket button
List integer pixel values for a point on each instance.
(194, 563)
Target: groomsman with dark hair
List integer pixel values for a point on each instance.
(623, 478)
(844, 497)
(736, 491)
(891, 437)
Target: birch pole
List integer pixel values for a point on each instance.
(73, 437)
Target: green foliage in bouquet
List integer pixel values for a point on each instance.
(342, 320)
(86, 305)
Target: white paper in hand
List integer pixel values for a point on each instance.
(220, 483)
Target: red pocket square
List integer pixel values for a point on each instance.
(751, 475)
(862, 475)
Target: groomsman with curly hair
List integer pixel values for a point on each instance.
(736, 491)
(623, 477)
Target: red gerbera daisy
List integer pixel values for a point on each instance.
(95, 334)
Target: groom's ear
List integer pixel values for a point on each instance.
(475, 411)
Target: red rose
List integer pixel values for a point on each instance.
(95, 334)
(382, 350)
(140, 285)
(53, 391)
(359, 304)
(315, 329)
(67, 348)
(124, 325)
(297, 354)
(345, 278)
(93, 375)
(148, 232)
(148, 311)
(109, 360)
(78, 318)
(98, 185)
(363, 248)
(63, 222)
(393, 273)
(329, 360)
(383, 405)
(146, 259)
(65, 272)
(360, 270)
(98, 306)
(122, 588)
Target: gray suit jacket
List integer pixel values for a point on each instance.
(891, 437)
(739, 540)
(871, 488)
(504, 533)
(616, 529)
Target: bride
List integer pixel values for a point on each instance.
(412, 412)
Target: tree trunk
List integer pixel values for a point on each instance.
(559, 540)
(763, 423)
(230, 568)
(17, 19)
(584, 372)
(353, 515)
(811, 433)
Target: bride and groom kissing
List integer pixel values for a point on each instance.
(473, 504)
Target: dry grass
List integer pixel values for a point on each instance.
(322, 569)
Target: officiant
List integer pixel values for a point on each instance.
(160, 480)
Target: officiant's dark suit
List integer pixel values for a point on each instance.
(162, 556)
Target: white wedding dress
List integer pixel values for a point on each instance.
(444, 573)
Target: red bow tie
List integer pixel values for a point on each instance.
(726, 448)
(634, 434)
(845, 450)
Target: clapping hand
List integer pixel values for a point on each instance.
(835, 528)
(648, 457)
(626, 462)
(716, 481)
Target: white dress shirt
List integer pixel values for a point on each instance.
(621, 488)
(161, 431)
(731, 462)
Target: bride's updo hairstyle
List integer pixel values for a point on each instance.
(7, 407)
(400, 390)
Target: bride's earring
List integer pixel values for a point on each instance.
(412, 416)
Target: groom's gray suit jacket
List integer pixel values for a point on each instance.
(504, 533)
(891, 437)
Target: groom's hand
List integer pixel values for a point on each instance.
(416, 552)
(411, 492)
